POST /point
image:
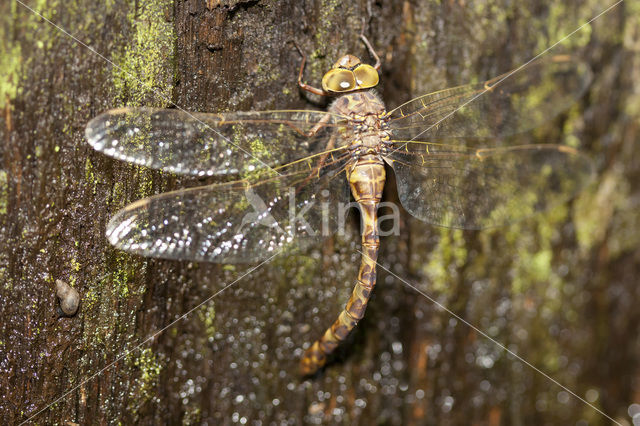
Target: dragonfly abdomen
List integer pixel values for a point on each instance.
(366, 178)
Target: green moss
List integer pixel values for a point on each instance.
(192, 416)
(540, 267)
(118, 194)
(610, 204)
(124, 274)
(449, 254)
(561, 22)
(323, 40)
(90, 176)
(593, 209)
(496, 14)
(149, 367)
(307, 268)
(90, 299)
(75, 265)
(144, 71)
(253, 168)
(145, 186)
(34, 34)
(207, 315)
(533, 256)
(3, 192)
(75, 268)
(102, 297)
(301, 266)
(8, 283)
(631, 104)
(10, 60)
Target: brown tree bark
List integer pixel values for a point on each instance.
(559, 289)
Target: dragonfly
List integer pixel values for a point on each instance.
(281, 174)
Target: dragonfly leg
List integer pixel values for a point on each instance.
(319, 125)
(303, 85)
(316, 127)
(371, 51)
(323, 158)
(316, 170)
(311, 132)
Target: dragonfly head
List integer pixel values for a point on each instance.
(349, 74)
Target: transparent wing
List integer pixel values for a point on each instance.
(237, 221)
(204, 144)
(511, 103)
(458, 187)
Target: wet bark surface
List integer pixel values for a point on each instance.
(560, 289)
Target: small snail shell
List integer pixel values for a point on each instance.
(69, 297)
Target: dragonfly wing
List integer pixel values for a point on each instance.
(237, 221)
(203, 144)
(511, 103)
(457, 187)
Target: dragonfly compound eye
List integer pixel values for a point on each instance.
(338, 80)
(366, 76)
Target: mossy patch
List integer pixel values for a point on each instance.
(10, 60)
(3, 191)
(207, 315)
(594, 209)
(562, 23)
(144, 69)
(446, 258)
(144, 388)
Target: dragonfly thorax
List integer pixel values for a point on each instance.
(359, 105)
(367, 119)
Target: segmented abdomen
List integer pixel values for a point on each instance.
(366, 179)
